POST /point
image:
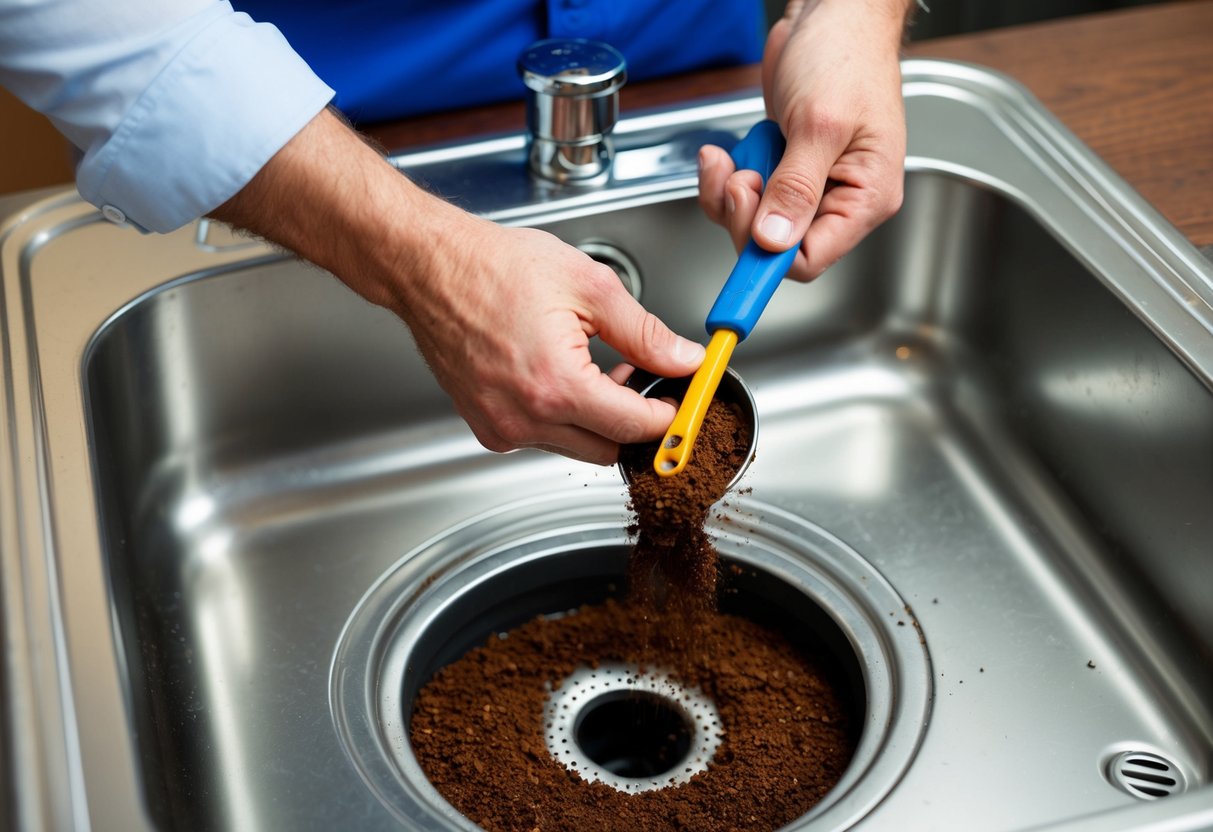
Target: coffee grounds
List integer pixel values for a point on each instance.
(477, 726)
(673, 560)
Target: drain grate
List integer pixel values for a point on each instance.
(631, 730)
(559, 550)
(1145, 775)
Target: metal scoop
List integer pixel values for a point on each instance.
(731, 389)
(741, 301)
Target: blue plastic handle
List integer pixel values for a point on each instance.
(758, 272)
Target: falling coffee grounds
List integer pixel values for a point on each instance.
(673, 560)
(477, 727)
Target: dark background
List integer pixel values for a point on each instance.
(952, 17)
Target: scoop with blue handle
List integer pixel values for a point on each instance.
(740, 303)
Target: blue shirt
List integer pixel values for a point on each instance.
(392, 58)
(176, 104)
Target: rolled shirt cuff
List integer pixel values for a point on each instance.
(218, 111)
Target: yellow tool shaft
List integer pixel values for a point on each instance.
(675, 450)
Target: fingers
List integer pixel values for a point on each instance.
(862, 188)
(729, 197)
(640, 337)
(715, 166)
(621, 414)
(743, 195)
(551, 395)
(779, 215)
(565, 440)
(847, 215)
(794, 190)
(620, 373)
(584, 419)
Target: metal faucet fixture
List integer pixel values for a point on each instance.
(572, 105)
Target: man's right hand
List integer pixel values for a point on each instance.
(832, 81)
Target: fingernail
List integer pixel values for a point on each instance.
(730, 203)
(688, 352)
(702, 160)
(778, 228)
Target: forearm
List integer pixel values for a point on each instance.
(502, 316)
(884, 20)
(335, 201)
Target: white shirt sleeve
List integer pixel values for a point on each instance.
(176, 104)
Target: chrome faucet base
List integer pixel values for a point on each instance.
(570, 163)
(572, 106)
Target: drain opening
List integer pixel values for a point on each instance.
(563, 551)
(631, 730)
(1145, 775)
(634, 734)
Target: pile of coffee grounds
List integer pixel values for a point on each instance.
(477, 727)
(673, 559)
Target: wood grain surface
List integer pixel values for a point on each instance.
(1135, 85)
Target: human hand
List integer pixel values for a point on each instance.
(505, 325)
(503, 316)
(832, 81)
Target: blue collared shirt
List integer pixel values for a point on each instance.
(176, 104)
(418, 56)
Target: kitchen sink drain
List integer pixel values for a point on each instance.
(632, 730)
(551, 554)
(1145, 775)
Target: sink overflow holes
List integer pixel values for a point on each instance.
(631, 730)
(1145, 775)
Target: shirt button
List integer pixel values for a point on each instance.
(113, 214)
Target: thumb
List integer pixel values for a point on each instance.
(643, 340)
(792, 194)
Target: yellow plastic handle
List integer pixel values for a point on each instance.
(675, 450)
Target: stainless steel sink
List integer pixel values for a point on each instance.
(220, 463)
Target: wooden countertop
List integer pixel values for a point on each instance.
(1135, 85)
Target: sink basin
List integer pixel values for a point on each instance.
(225, 469)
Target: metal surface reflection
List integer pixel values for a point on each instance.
(1002, 402)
